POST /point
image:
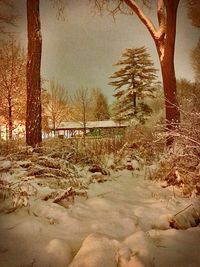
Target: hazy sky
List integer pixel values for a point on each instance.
(80, 50)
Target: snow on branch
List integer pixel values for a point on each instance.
(161, 19)
(157, 35)
(145, 20)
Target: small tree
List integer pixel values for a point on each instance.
(134, 82)
(82, 106)
(12, 83)
(55, 104)
(100, 103)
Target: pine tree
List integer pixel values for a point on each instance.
(101, 108)
(133, 83)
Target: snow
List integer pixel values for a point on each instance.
(124, 222)
(5, 165)
(91, 124)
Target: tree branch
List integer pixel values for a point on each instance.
(145, 20)
(161, 14)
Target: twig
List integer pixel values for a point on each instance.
(183, 210)
(103, 194)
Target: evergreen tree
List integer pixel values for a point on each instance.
(101, 109)
(133, 83)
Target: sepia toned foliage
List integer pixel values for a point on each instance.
(12, 84)
(55, 105)
(100, 106)
(134, 83)
(189, 97)
(180, 166)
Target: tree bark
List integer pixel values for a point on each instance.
(10, 121)
(167, 48)
(33, 113)
(134, 102)
(164, 39)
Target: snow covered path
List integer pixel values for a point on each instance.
(130, 216)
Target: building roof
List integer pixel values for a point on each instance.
(90, 125)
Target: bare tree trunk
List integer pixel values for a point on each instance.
(168, 71)
(10, 121)
(135, 102)
(171, 103)
(54, 127)
(164, 38)
(33, 113)
(84, 120)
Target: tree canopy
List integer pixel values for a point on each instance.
(133, 83)
(100, 106)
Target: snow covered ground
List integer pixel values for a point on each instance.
(123, 222)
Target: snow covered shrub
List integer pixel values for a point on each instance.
(86, 151)
(180, 165)
(144, 142)
(17, 195)
(41, 173)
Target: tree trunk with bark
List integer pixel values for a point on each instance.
(33, 113)
(10, 120)
(164, 38)
(168, 70)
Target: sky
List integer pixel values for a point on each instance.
(80, 50)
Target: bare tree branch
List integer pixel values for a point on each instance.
(145, 20)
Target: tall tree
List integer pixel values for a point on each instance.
(12, 83)
(164, 38)
(82, 106)
(133, 83)
(56, 104)
(33, 114)
(100, 103)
